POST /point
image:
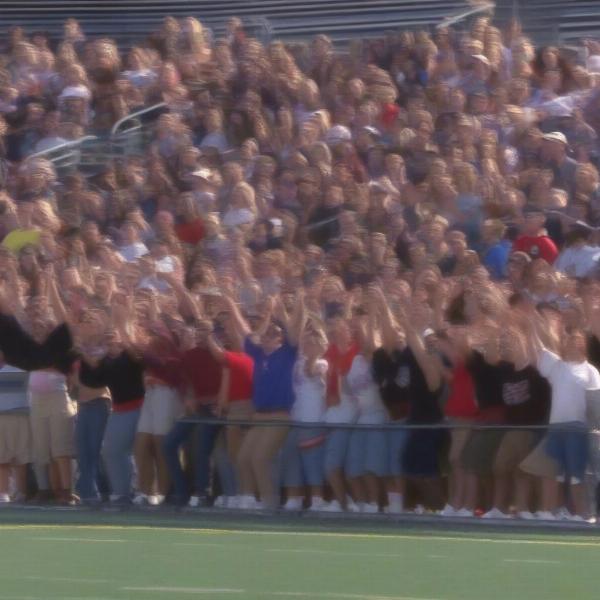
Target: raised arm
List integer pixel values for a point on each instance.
(429, 364)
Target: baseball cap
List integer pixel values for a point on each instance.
(521, 257)
(481, 58)
(338, 133)
(556, 136)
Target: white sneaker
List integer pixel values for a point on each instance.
(333, 506)
(576, 519)
(220, 502)
(448, 511)
(4, 499)
(158, 499)
(395, 508)
(293, 504)
(247, 502)
(563, 514)
(465, 513)
(141, 500)
(545, 515)
(318, 504)
(352, 506)
(495, 513)
(526, 515)
(419, 509)
(233, 502)
(371, 508)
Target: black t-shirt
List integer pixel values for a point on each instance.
(487, 379)
(526, 395)
(424, 405)
(122, 374)
(391, 372)
(593, 350)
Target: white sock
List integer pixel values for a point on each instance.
(395, 499)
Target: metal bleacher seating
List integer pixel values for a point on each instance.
(128, 20)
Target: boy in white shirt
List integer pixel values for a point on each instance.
(570, 376)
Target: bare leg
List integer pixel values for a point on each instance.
(471, 489)
(580, 504)
(336, 481)
(358, 488)
(4, 475)
(457, 485)
(549, 496)
(373, 488)
(501, 491)
(523, 489)
(65, 474)
(162, 473)
(143, 453)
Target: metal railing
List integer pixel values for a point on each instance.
(484, 8)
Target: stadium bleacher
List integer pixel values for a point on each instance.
(287, 19)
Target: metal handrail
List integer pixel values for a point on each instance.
(115, 129)
(66, 146)
(483, 8)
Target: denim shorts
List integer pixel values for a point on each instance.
(397, 439)
(302, 458)
(569, 448)
(336, 447)
(367, 453)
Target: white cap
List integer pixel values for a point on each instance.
(556, 136)
(481, 58)
(76, 91)
(338, 133)
(593, 64)
(202, 172)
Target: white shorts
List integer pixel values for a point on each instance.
(162, 407)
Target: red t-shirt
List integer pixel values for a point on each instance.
(339, 365)
(539, 246)
(203, 372)
(241, 368)
(190, 233)
(461, 402)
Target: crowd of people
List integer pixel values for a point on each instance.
(401, 234)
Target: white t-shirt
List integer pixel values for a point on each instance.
(238, 216)
(309, 405)
(363, 388)
(569, 382)
(578, 261)
(47, 382)
(132, 252)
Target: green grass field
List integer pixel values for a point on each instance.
(149, 557)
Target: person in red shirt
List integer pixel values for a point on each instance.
(533, 239)
(189, 227)
(235, 397)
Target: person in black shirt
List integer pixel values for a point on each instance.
(526, 399)
(482, 445)
(391, 371)
(122, 371)
(423, 447)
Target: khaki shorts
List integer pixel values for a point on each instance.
(15, 439)
(240, 410)
(162, 407)
(514, 448)
(458, 439)
(480, 450)
(52, 419)
(539, 464)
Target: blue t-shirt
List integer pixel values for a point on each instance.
(272, 382)
(496, 259)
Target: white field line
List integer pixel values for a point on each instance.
(66, 579)
(333, 552)
(342, 596)
(76, 539)
(532, 561)
(184, 590)
(324, 534)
